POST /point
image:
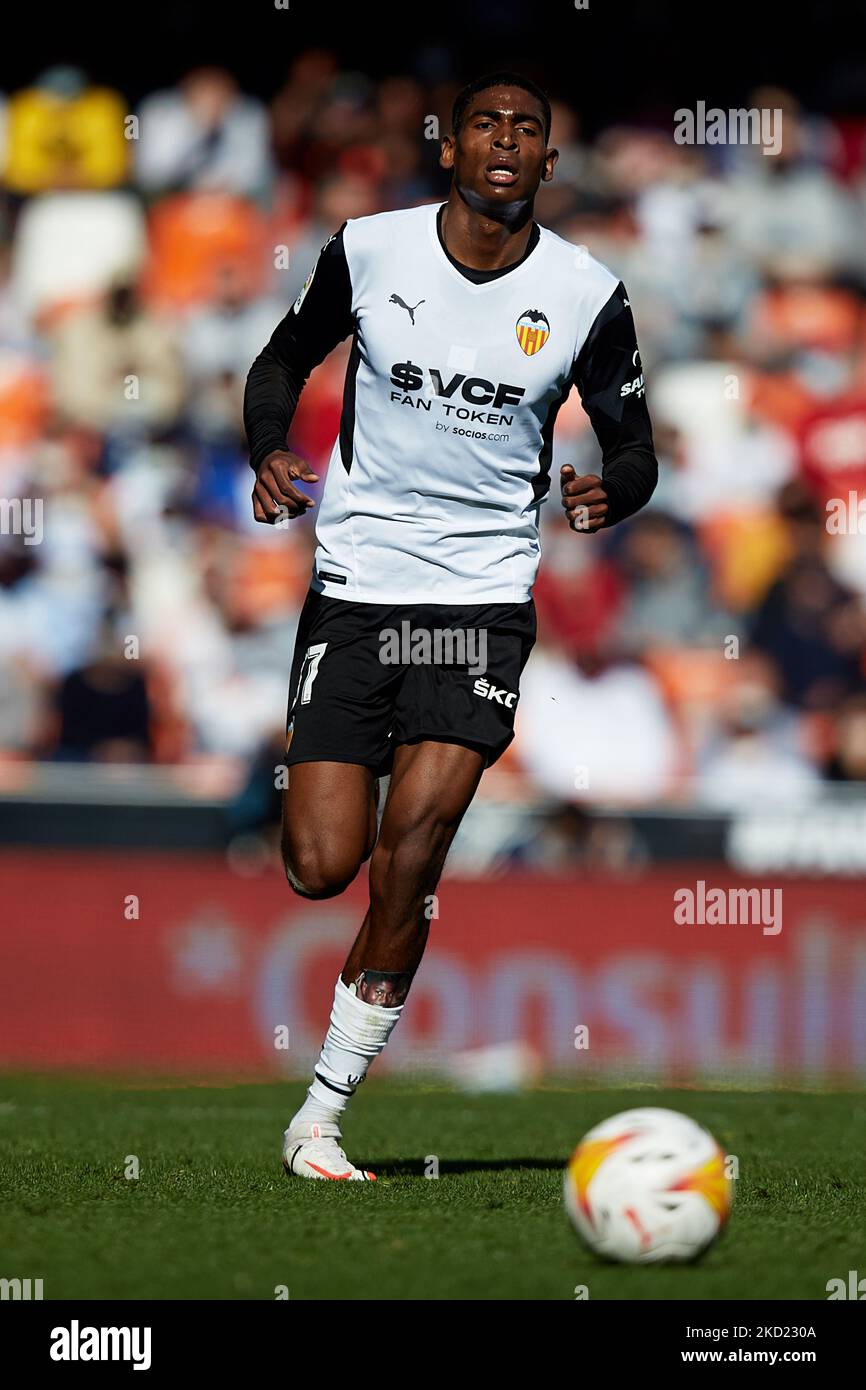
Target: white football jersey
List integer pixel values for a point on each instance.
(443, 458)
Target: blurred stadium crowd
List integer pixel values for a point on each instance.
(712, 650)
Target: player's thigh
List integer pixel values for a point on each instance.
(329, 816)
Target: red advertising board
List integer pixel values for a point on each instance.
(175, 964)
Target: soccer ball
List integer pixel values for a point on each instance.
(648, 1185)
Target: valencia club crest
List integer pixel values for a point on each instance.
(533, 331)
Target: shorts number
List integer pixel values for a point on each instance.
(309, 671)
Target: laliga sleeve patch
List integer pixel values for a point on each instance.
(309, 280)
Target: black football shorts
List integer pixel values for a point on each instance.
(368, 676)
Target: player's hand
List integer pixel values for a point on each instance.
(274, 497)
(584, 499)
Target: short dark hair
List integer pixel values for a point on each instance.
(505, 78)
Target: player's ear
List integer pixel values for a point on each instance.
(550, 158)
(446, 152)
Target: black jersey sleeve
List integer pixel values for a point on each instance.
(320, 317)
(609, 377)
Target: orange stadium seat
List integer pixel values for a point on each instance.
(270, 580)
(779, 398)
(690, 677)
(808, 316)
(193, 237)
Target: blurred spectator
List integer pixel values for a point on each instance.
(812, 627)
(594, 730)
(204, 136)
(224, 334)
(832, 433)
(102, 708)
(398, 147)
(51, 594)
(758, 754)
(579, 167)
(342, 121)
(62, 133)
(580, 590)
(847, 761)
(668, 597)
(729, 462)
(71, 247)
(295, 106)
(117, 368)
(220, 340)
(230, 657)
(791, 219)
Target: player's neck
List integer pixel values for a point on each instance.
(480, 240)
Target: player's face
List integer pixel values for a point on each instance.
(500, 152)
(379, 991)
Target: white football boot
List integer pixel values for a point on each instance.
(313, 1151)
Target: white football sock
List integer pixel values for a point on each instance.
(356, 1035)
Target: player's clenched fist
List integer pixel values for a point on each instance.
(584, 499)
(274, 497)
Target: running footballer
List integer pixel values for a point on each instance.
(470, 324)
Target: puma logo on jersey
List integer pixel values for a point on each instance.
(410, 308)
(492, 692)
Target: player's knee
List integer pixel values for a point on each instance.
(316, 872)
(314, 883)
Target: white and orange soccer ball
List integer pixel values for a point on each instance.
(648, 1185)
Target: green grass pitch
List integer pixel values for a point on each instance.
(212, 1215)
